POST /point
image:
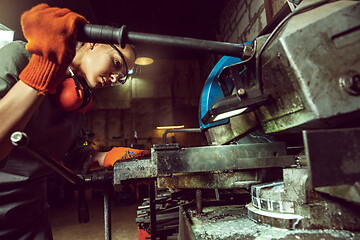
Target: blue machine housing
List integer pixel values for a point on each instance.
(212, 92)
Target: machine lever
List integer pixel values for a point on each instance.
(107, 34)
(20, 139)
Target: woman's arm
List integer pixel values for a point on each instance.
(51, 35)
(16, 109)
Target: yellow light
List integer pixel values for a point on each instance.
(144, 61)
(170, 127)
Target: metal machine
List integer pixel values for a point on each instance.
(285, 163)
(292, 140)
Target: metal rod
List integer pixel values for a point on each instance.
(83, 210)
(179, 130)
(152, 210)
(107, 34)
(198, 195)
(223, 48)
(20, 139)
(107, 215)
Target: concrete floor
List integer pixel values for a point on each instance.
(66, 226)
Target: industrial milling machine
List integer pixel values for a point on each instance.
(280, 114)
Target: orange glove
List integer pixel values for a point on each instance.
(122, 153)
(51, 35)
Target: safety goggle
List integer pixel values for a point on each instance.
(122, 79)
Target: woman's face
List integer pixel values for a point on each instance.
(101, 65)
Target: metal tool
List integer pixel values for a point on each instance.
(185, 130)
(121, 36)
(100, 180)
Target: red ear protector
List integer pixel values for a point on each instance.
(74, 95)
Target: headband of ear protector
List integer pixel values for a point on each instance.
(74, 95)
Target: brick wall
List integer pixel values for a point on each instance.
(239, 22)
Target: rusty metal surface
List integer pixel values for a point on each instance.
(176, 167)
(231, 222)
(221, 180)
(334, 156)
(344, 191)
(219, 158)
(238, 125)
(134, 169)
(302, 68)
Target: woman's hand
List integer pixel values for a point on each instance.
(51, 35)
(122, 153)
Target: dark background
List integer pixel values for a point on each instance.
(187, 18)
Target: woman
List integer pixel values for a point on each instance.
(31, 75)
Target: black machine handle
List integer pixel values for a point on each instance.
(107, 34)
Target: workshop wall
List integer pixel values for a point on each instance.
(241, 21)
(168, 91)
(165, 93)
